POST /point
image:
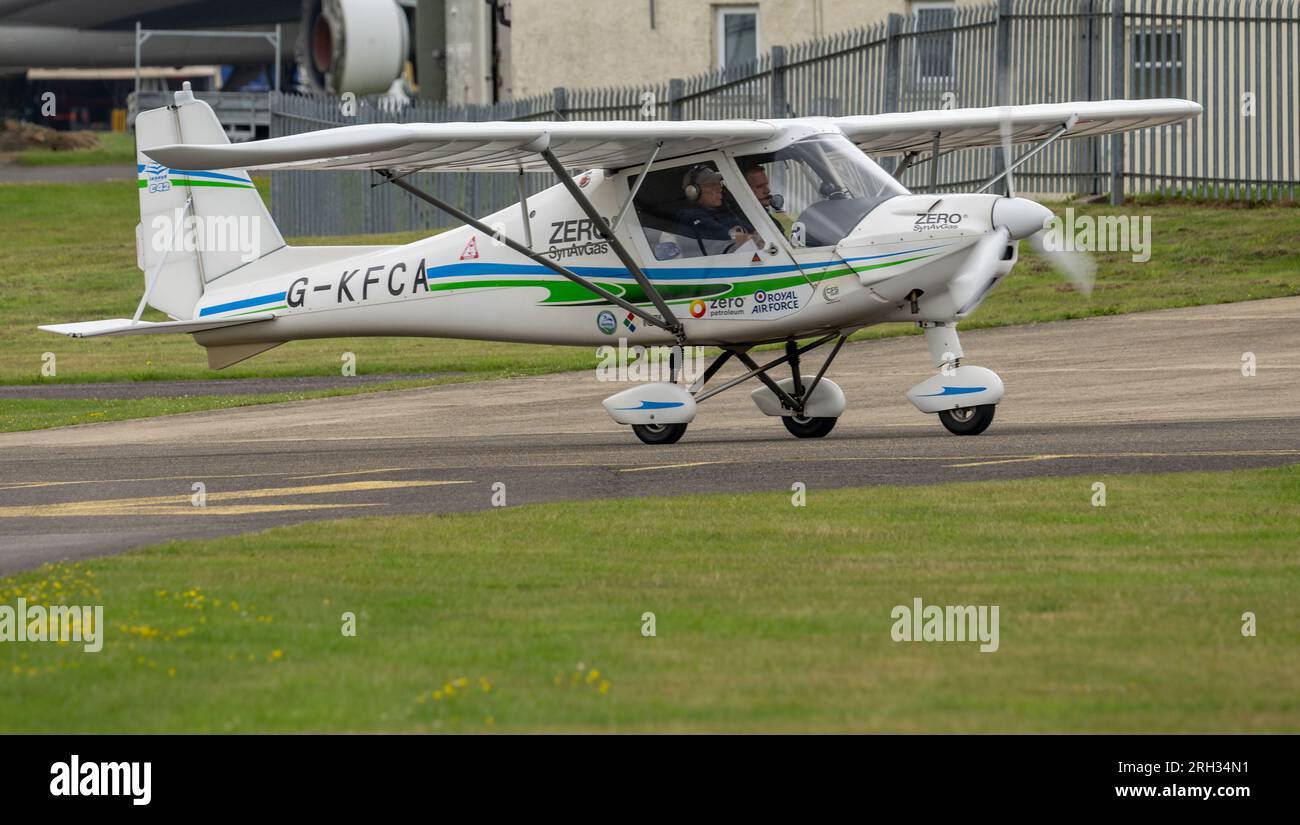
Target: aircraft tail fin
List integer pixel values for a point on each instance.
(195, 226)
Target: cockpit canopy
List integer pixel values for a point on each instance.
(827, 186)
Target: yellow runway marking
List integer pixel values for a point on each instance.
(1012, 460)
(359, 472)
(1204, 454)
(29, 484)
(180, 504)
(669, 466)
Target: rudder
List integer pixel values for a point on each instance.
(226, 225)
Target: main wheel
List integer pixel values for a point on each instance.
(801, 427)
(659, 433)
(968, 420)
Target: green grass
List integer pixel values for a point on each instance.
(115, 148)
(70, 255)
(1123, 618)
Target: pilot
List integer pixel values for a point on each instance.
(756, 177)
(710, 218)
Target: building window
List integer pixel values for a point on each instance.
(737, 29)
(935, 40)
(1157, 62)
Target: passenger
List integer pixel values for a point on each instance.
(710, 218)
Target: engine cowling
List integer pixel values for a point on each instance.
(357, 46)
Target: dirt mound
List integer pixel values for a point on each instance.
(18, 136)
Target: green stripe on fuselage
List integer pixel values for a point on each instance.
(567, 293)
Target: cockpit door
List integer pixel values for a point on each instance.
(706, 244)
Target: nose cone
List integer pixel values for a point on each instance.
(1020, 216)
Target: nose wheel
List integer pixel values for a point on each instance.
(968, 420)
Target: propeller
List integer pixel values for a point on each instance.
(979, 267)
(1077, 268)
(1004, 130)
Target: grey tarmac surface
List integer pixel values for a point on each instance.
(1150, 392)
(13, 173)
(211, 386)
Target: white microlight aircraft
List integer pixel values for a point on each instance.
(673, 236)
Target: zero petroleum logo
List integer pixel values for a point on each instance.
(718, 307)
(606, 322)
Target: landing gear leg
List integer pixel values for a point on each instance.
(796, 398)
(964, 397)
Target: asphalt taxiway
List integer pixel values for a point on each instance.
(1148, 392)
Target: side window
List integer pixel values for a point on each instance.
(817, 190)
(687, 212)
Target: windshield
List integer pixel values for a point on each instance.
(820, 188)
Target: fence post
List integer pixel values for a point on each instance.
(779, 105)
(560, 101)
(1089, 152)
(1116, 93)
(676, 88)
(892, 61)
(1002, 76)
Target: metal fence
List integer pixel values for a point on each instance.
(1238, 58)
(244, 115)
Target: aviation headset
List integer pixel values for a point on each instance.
(690, 187)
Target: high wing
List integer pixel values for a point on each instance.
(510, 146)
(900, 132)
(506, 146)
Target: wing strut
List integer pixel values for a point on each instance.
(906, 163)
(531, 255)
(1060, 130)
(670, 321)
(636, 187)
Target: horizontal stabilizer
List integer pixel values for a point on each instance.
(125, 326)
